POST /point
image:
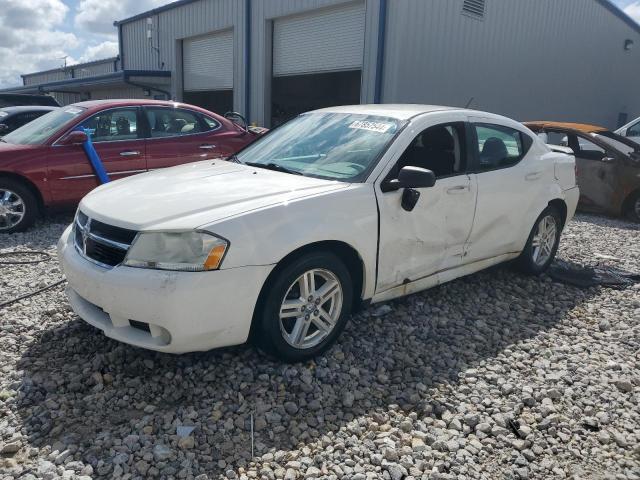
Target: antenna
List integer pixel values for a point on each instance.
(65, 60)
(469, 102)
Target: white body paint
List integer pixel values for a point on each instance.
(461, 225)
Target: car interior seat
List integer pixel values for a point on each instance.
(433, 150)
(123, 126)
(494, 152)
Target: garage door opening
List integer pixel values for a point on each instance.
(208, 71)
(317, 60)
(296, 94)
(217, 101)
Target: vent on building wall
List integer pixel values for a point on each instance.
(474, 8)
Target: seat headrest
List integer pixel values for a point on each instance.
(438, 138)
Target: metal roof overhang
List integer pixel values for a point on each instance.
(154, 78)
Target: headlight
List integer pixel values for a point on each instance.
(184, 251)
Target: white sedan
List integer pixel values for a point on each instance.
(337, 208)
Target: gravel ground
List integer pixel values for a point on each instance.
(492, 376)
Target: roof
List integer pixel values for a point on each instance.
(608, 4)
(578, 127)
(95, 80)
(28, 108)
(72, 66)
(397, 111)
(116, 102)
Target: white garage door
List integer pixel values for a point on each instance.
(327, 41)
(208, 62)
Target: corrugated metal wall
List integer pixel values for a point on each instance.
(528, 59)
(543, 59)
(45, 77)
(171, 26)
(81, 70)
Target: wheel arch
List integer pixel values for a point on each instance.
(347, 253)
(27, 183)
(626, 203)
(562, 208)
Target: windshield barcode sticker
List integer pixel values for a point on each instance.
(73, 111)
(371, 126)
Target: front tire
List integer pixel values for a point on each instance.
(18, 206)
(307, 305)
(542, 244)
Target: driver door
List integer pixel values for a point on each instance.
(415, 245)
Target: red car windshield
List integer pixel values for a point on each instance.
(41, 129)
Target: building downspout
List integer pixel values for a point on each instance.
(382, 26)
(247, 61)
(120, 52)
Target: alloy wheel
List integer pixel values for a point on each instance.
(311, 308)
(12, 209)
(544, 240)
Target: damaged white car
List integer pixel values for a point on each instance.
(337, 208)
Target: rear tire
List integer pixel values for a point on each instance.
(542, 244)
(306, 307)
(633, 208)
(18, 206)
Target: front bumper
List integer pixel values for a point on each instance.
(174, 312)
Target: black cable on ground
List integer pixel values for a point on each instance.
(27, 295)
(44, 257)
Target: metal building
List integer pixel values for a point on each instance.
(270, 59)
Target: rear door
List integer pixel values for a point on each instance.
(511, 181)
(596, 168)
(119, 142)
(181, 135)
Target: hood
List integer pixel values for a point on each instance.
(196, 194)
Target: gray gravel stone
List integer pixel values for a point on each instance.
(424, 387)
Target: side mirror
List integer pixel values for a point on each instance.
(74, 138)
(238, 119)
(410, 177)
(608, 159)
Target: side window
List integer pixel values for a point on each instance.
(440, 149)
(499, 146)
(172, 122)
(589, 150)
(112, 125)
(634, 130)
(557, 138)
(211, 124)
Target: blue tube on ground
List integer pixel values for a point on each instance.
(94, 159)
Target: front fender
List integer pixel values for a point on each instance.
(266, 236)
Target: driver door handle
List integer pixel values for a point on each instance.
(458, 189)
(129, 153)
(207, 147)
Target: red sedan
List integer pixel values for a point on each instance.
(43, 165)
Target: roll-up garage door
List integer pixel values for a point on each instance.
(208, 62)
(326, 41)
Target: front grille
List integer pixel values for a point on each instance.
(101, 243)
(105, 254)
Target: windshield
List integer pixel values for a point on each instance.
(334, 146)
(39, 131)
